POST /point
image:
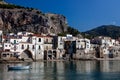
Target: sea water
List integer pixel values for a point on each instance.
(64, 70)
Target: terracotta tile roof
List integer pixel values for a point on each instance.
(12, 37)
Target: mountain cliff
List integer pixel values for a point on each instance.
(105, 30)
(15, 18)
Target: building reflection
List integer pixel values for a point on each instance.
(61, 70)
(53, 69)
(109, 66)
(85, 66)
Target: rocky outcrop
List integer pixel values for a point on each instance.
(31, 20)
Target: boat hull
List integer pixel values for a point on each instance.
(19, 67)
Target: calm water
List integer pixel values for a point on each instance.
(75, 70)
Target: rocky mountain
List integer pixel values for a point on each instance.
(105, 30)
(15, 18)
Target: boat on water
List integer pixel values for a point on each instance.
(19, 67)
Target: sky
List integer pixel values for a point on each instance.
(81, 14)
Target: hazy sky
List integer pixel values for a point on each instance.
(81, 14)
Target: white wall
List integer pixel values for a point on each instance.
(6, 46)
(61, 42)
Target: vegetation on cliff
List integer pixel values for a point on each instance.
(70, 30)
(9, 6)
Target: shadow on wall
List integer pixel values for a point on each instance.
(27, 54)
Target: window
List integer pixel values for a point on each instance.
(39, 40)
(27, 46)
(113, 43)
(52, 40)
(60, 39)
(87, 46)
(15, 55)
(39, 47)
(14, 49)
(33, 47)
(4, 55)
(11, 55)
(5, 45)
(14, 41)
(22, 47)
(114, 50)
(60, 43)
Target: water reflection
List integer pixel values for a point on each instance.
(74, 70)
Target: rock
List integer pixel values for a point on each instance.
(15, 20)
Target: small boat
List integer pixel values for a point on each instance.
(19, 67)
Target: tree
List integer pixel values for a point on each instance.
(73, 31)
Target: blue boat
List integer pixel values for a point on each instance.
(19, 67)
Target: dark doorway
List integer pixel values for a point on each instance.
(45, 55)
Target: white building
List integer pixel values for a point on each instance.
(38, 42)
(60, 48)
(83, 44)
(106, 47)
(107, 41)
(25, 46)
(61, 42)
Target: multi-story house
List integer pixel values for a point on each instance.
(83, 47)
(107, 41)
(83, 44)
(49, 53)
(24, 46)
(106, 46)
(10, 46)
(38, 46)
(33, 45)
(60, 47)
(70, 46)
